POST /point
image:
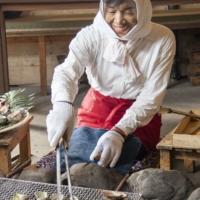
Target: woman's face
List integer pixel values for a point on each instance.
(121, 18)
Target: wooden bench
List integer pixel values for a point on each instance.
(9, 139)
(168, 152)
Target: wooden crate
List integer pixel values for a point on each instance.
(194, 69)
(195, 47)
(195, 57)
(187, 133)
(194, 80)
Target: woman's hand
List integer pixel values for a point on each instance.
(110, 144)
(60, 121)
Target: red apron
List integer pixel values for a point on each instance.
(99, 111)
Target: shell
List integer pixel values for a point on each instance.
(20, 197)
(112, 195)
(3, 120)
(41, 195)
(55, 195)
(16, 116)
(4, 107)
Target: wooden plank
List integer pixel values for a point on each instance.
(5, 164)
(53, 18)
(176, 12)
(166, 142)
(165, 159)
(189, 166)
(173, 2)
(154, 2)
(26, 39)
(25, 148)
(35, 39)
(46, 1)
(186, 141)
(41, 32)
(194, 69)
(43, 69)
(186, 155)
(184, 122)
(4, 80)
(49, 6)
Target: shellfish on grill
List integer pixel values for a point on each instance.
(41, 195)
(113, 195)
(54, 196)
(3, 119)
(20, 197)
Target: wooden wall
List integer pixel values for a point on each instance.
(23, 60)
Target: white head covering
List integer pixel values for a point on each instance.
(117, 51)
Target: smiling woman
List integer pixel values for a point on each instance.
(121, 18)
(128, 61)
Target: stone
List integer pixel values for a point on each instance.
(158, 184)
(195, 195)
(1, 175)
(43, 175)
(94, 176)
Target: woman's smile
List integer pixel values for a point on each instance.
(121, 18)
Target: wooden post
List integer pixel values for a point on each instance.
(5, 164)
(189, 166)
(25, 147)
(43, 70)
(165, 159)
(4, 80)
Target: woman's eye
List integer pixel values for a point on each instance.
(130, 12)
(109, 11)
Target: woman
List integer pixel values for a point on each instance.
(128, 61)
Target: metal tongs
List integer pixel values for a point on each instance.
(58, 172)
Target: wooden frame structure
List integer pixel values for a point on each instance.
(27, 5)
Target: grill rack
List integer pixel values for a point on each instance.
(9, 187)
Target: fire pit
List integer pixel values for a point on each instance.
(9, 187)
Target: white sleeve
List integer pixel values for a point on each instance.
(150, 99)
(64, 85)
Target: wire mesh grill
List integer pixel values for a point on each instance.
(9, 187)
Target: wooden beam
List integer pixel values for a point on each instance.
(165, 159)
(35, 39)
(173, 2)
(49, 6)
(189, 166)
(52, 18)
(43, 69)
(4, 78)
(47, 1)
(44, 32)
(154, 2)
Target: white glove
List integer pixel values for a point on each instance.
(110, 144)
(60, 120)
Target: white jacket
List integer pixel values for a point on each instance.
(151, 61)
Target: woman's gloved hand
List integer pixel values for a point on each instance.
(110, 144)
(60, 120)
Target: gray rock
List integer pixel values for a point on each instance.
(94, 176)
(158, 184)
(43, 175)
(1, 174)
(195, 195)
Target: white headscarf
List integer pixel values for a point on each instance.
(117, 51)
